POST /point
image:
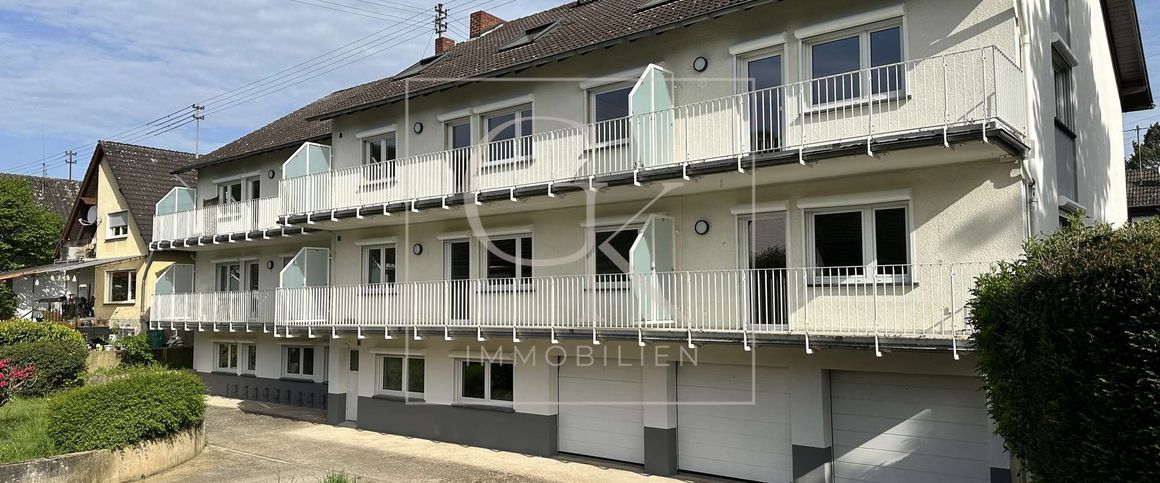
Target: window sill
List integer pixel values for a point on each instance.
(116, 238)
(392, 397)
(861, 102)
(483, 407)
(120, 302)
(224, 372)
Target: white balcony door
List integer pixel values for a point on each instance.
(764, 101)
(457, 270)
(763, 256)
(651, 257)
(459, 142)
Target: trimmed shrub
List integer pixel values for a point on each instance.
(59, 364)
(143, 405)
(134, 350)
(1068, 341)
(15, 331)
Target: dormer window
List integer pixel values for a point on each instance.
(419, 66)
(530, 35)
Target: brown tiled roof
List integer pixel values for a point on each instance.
(582, 27)
(588, 26)
(143, 175)
(53, 193)
(289, 130)
(1143, 187)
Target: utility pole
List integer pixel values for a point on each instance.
(197, 118)
(71, 155)
(440, 20)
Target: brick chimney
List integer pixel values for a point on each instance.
(443, 44)
(482, 22)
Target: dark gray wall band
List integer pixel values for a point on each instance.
(1000, 475)
(489, 428)
(280, 391)
(335, 408)
(809, 463)
(660, 451)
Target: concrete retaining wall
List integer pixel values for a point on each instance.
(110, 466)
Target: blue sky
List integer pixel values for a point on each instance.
(75, 71)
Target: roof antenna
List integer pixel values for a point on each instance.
(197, 136)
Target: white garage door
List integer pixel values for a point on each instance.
(600, 412)
(748, 436)
(908, 428)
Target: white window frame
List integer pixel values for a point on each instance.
(246, 189)
(862, 32)
(109, 287)
(232, 353)
(591, 94)
(608, 284)
(366, 252)
(301, 364)
(743, 60)
(449, 134)
(380, 370)
(117, 232)
(517, 147)
(869, 249)
(521, 259)
(243, 357)
(389, 165)
(487, 400)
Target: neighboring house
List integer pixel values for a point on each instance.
(105, 272)
(53, 193)
(57, 196)
(736, 237)
(1143, 193)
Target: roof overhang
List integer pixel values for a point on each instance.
(1123, 26)
(217, 161)
(64, 267)
(547, 59)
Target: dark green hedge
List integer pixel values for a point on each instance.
(59, 364)
(1068, 341)
(143, 404)
(16, 331)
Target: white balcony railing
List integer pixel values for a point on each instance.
(976, 87)
(224, 219)
(911, 301)
(214, 307)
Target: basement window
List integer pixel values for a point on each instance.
(485, 383)
(530, 35)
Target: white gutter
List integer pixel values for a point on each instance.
(1027, 178)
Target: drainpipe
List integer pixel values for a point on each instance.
(141, 299)
(1028, 179)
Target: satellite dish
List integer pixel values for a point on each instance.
(91, 215)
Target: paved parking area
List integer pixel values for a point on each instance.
(245, 447)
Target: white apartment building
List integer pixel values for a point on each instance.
(728, 237)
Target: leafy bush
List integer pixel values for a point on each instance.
(7, 302)
(1068, 341)
(14, 331)
(145, 404)
(134, 350)
(59, 364)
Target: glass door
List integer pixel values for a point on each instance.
(763, 238)
(458, 272)
(763, 79)
(459, 142)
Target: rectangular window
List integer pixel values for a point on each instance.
(379, 264)
(352, 361)
(485, 383)
(608, 111)
(249, 354)
(121, 286)
(849, 243)
(1066, 160)
(379, 155)
(118, 224)
(227, 357)
(229, 277)
(398, 372)
(611, 249)
(299, 361)
(853, 64)
(508, 260)
(241, 189)
(508, 135)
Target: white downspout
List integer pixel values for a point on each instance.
(1028, 179)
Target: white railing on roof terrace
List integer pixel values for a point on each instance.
(225, 219)
(247, 306)
(981, 87)
(902, 301)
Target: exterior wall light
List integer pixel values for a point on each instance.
(701, 227)
(418, 127)
(700, 64)
(417, 249)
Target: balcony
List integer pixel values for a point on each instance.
(922, 301)
(240, 307)
(240, 218)
(977, 92)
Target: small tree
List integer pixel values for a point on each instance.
(134, 350)
(1068, 341)
(13, 379)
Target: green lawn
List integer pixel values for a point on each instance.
(24, 430)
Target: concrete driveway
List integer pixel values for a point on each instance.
(247, 447)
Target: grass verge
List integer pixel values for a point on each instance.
(24, 430)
